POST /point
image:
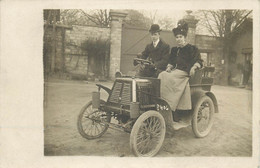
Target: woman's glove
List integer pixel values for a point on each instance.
(194, 68)
(169, 68)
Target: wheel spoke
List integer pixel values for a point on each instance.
(90, 123)
(99, 130)
(148, 125)
(89, 110)
(147, 134)
(89, 130)
(144, 146)
(204, 117)
(145, 143)
(85, 122)
(92, 130)
(142, 141)
(100, 127)
(156, 126)
(151, 123)
(156, 135)
(141, 136)
(95, 129)
(86, 127)
(147, 146)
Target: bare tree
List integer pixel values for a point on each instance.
(73, 17)
(99, 17)
(149, 16)
(166, 23)
(136, 18)
(152, 16)
(222, 23)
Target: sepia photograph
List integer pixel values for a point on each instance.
(137, 83)
(109, 84)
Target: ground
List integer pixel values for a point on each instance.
(231, 134)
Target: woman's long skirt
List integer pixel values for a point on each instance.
(175, 89)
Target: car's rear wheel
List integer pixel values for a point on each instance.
(148, 134)
(203, 117)
(92, 123)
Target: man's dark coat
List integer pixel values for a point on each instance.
(159, 55)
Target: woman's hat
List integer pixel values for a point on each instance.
(182, 28)
(155, 28)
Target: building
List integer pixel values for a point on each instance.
(241, 61)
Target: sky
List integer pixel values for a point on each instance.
(175, 15)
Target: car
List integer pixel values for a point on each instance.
(135, 103)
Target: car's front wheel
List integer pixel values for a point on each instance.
(92, 123)
(148, 134)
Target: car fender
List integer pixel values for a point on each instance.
(164, 108)
(161, 105)
(195, 96)
(213, 98)
(105, 88)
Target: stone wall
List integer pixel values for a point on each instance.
(214, 48)
(76, 60)
(69, 57)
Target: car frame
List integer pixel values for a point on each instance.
(136, 105)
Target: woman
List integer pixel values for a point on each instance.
(183, 61)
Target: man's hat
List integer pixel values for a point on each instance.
(182, 28)
(155, 28)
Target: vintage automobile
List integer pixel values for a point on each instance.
(136, 105)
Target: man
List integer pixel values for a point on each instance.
(156, 52)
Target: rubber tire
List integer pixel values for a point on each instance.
(79, 124)
(136, 128)
(196, 132)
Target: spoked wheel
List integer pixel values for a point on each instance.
(148, 134)
(90, 120)
(203, 117)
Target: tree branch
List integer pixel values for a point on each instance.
(91, 18)
(208, 25)
(241, 20)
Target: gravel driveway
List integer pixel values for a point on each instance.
(231, 134)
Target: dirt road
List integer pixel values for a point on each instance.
(231, 134)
